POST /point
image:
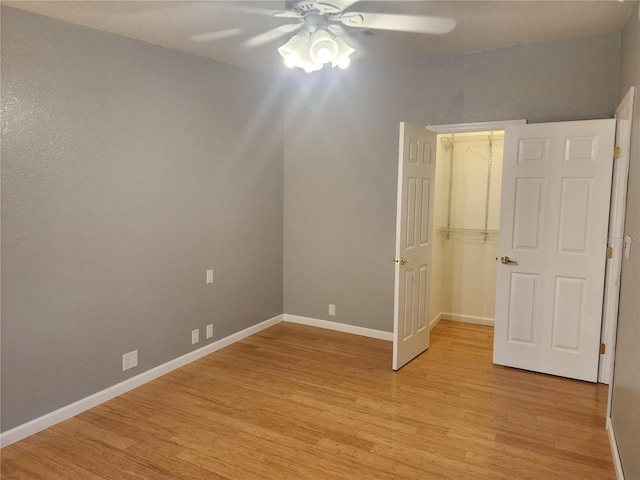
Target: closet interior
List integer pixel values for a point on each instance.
(466, 221)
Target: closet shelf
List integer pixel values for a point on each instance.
(468, 232)
(466, 138)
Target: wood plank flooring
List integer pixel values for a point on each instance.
(296, 402)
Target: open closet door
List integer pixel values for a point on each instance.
(556, 185)
(414, 226)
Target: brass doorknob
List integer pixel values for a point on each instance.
(508, 261)
(401, 260)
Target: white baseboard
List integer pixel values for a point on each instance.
(467, 319)
(614, 450)
(435, 321)
(68, 411)
(340, 327)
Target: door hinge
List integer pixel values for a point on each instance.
(616, 153)
(609, 252)
(602, 348)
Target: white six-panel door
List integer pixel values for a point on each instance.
(416, 173)
(552, 248)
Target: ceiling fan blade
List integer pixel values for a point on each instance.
(286, 14)
(250, 8)
(343, 4)
(337, 29)
(271, 35)
(290, 27)
(213, 36)
(400, 23)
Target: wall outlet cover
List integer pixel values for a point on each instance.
(210, 330)
(129, 360)
(195, 336)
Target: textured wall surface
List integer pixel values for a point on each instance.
(341, 153)
(625, 412)
(128, 170)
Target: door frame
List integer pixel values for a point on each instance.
(617, 212)
(453, 128)
(473, 127)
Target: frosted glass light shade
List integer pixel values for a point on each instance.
(323, 47)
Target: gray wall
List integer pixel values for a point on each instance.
(128, 170)
(625, 411)
(341, 148)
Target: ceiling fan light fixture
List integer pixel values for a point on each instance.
(291, 51)
(320, 41)
(311, 67)
(345, 50)
(323, 46)
(292, 60)
(313, 47)
(343, 62)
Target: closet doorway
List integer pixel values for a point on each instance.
(454, 203)
(466, 222)
(466, 226)
(464, 290)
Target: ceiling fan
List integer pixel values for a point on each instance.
(320, 36)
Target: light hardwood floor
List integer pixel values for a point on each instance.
(296, 402)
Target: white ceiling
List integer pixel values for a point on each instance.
(481, 25)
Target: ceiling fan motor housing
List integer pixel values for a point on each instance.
(323, 8)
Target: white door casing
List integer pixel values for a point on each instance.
(624, 116)
(414, 229)
(553, 225)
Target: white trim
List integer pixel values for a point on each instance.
(34, 426)
(435, 321)
(467, 319)
(339, 327)
(617, 210)
(614, 451)
(474, 127)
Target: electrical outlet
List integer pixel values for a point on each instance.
(129, 360)
(210, 330)
(195, 336)
(332, 310)
(209, 276)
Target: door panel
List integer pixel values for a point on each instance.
(522, 301)
(528, 213)
(575, 205)
(416, 169)
(423, 294)
(410, 221)
(407, 331)
(568, 313)
(425, 221)
(553, 227)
